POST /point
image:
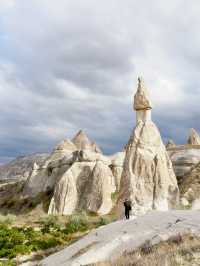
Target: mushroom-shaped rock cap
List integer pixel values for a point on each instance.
(194, 138)
(141, 98)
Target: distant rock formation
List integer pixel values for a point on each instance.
(183, 159)
(194, 138)
(148, 179)
(20, 168)
(170, 144)
(82, 142)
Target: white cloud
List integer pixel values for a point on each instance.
(75, 65)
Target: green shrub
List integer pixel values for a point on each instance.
(77, 222)
(102, 221)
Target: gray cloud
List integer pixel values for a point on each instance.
(74, 64)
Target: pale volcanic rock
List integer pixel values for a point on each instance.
(148, 178)
(44, 177)
(82, 142)
(62, 157)
(141, 98)
(117, 163)
(90, 156)
(101, 189)
(194, 138)
(72, 183)
(190, 186)
(184, 158)
(85, 185)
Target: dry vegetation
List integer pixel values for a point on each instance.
(177, 251)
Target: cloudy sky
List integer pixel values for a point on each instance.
(71, 64)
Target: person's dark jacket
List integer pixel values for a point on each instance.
(127, 205)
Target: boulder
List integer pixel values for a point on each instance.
(148, 179)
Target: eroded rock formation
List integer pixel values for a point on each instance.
(65, 153)
(148, 178)
(194, 138)
(82, 142)
(184, 158)
(88, 184)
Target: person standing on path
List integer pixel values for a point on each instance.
(127, 206)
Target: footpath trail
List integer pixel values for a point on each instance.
(112, 240)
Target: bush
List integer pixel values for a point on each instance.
(7, 219)
(102, 221)
(77, 222)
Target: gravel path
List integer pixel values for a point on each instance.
(112, 240)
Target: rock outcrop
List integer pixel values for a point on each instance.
(79, 176)
(183, 158)
(190, 188)
(194, 138)
(148, 179)
(87, 185)
(45, 176)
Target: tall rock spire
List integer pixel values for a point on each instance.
(148, 179)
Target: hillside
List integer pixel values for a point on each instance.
(20, 167)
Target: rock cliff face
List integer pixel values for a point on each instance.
(148, 179)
